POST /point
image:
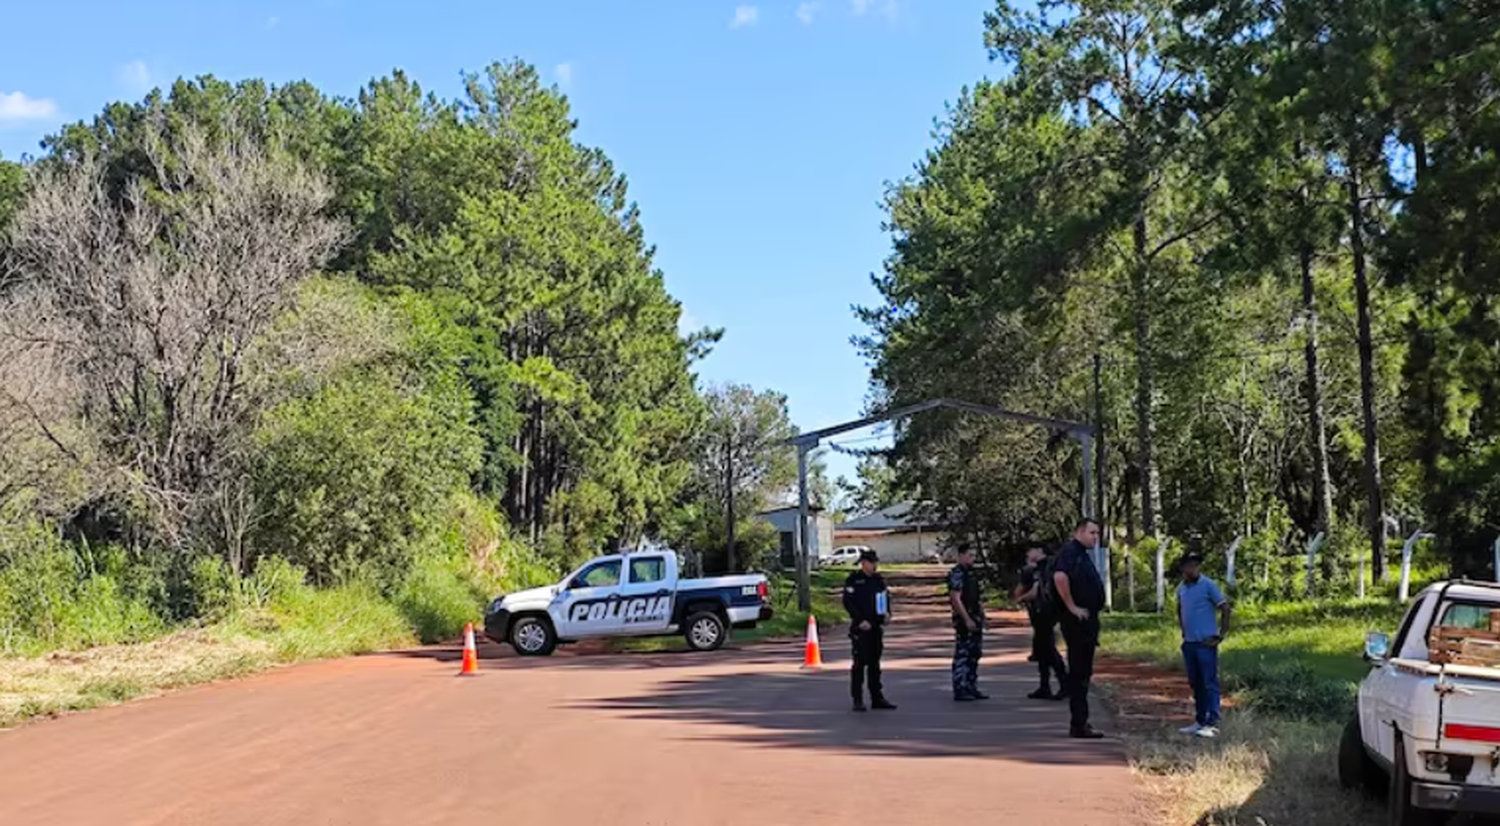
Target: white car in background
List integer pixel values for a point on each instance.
(847, 555)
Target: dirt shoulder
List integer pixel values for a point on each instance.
(1260, 771)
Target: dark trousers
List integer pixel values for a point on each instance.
(1202, 663)
(868, 646)
(968, 647)
(1083, 640)
(1044, 651)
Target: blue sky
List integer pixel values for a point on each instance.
(757, 135)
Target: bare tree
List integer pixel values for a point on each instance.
(148, 302)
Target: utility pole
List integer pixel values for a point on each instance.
(804, 570)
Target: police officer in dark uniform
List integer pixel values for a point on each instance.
(968, 626)
(868, 604)
(1080, 596)
(1043, 622)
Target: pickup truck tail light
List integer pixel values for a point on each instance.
(1481, 734)
(764, 591)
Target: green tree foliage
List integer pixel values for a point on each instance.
(741, 467)
(520, 238)
(1273, 225)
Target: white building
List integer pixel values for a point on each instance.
(820, 532)
(895, 533)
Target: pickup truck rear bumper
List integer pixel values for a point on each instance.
(749, 617)
(1448, 797)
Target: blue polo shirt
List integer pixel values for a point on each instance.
(1198, 604)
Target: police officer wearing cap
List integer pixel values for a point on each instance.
(868, 604)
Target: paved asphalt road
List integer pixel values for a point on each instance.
(732, 737)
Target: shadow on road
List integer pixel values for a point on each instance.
(802, 711)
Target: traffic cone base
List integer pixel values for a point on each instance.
(471, 655)
(813, 657)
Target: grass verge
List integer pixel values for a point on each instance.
(1289, 673)
(270, 618)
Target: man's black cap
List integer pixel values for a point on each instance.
(868, 556)
(1192, 558)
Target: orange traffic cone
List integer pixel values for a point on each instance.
(814, 656)
(471, 655)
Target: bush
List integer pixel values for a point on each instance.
(437, 599)
(1291, 688)
(355, 477)
(54, 596)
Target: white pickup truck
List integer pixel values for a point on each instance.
(1427, 730)
(628, 595)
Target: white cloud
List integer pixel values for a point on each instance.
(806, 11)
(136, 77)
(861, 7)
(17, 107)
(564, 72)
(744, 16)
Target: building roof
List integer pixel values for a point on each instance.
(897, 517)
(811, 508)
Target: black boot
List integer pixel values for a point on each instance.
(882, 704)
(1043, 693)
(859, 704)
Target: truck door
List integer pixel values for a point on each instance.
(591, 602)
(647, 595)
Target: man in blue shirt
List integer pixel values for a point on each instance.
(1203, 615)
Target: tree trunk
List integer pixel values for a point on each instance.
(729, 507)
(1376, 498)
(1322, 480)
(1145, 402)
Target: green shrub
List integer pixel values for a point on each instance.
(437, 599)
(349, 619)
(54, 598)
(1291, 688)
(355, 476)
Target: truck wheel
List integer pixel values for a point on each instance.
(705, 631)
(532, 637)
(1357, 770)
(1401, 810)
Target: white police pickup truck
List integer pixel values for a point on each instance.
(1426, 733)
(628, 595)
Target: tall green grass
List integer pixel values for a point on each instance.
(1288, 658)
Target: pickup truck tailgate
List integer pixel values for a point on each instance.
(1470, 709)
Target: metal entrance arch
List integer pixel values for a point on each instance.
(1086, 434)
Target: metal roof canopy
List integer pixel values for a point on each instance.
(805, 442)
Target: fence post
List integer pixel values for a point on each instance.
(1229, 561)
(1497, 559)
(1312, 556)
(1404, 592)
(1161, 575)
(1100, 557)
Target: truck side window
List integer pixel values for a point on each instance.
(603, 575)
(649, 569)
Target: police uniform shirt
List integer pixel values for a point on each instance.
(965, 581)
(861, 592)
(1029, 575)
(1083, 578)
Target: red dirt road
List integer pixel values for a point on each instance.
(732, 737)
